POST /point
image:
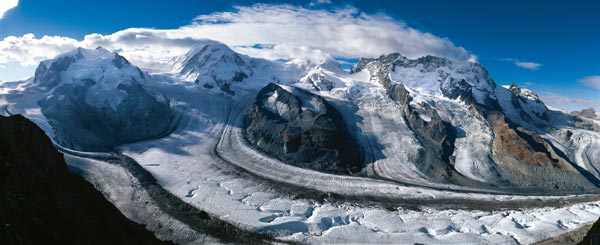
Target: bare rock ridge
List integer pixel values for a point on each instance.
(587, 113)
(525, 158)
(302, 129)
(525, 98)
(587, 118)
(41, 202)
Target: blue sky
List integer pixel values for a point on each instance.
(556, 43)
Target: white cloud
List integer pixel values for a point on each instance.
(29, 50)
(569, 103)
(285, 32)
(6, 5)
(528, 65)
(524, 64)
(344, 32)
(319, 2)
(591, 81)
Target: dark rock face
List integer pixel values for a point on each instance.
(514, 141)
(49, 75)
(592, 236)
(41, 202)
(455, 89)
(301, 129)
(524, 157)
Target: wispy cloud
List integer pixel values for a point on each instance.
(6, 5)
(528, 65)
(524, 64)
(286, 31)
(319, 2)
(568, 103)
(591, 81)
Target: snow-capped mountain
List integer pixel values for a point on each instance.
(506, 123)
(214, 65)
(463, 128)
(96, 99)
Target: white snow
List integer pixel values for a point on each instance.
(97, 66)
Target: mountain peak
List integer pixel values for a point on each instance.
(80, 64)
(214, 64)
(523, 92)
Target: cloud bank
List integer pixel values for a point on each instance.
(6, 5)
(264, 31)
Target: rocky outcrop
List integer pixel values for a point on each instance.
(587, 113)
(524, 157)
(528, 103)
(301, 129)
(586, 119)
(41, 202)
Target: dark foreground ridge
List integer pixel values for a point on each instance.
(593, 235)
(41, 202)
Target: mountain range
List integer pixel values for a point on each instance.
(430, 122)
